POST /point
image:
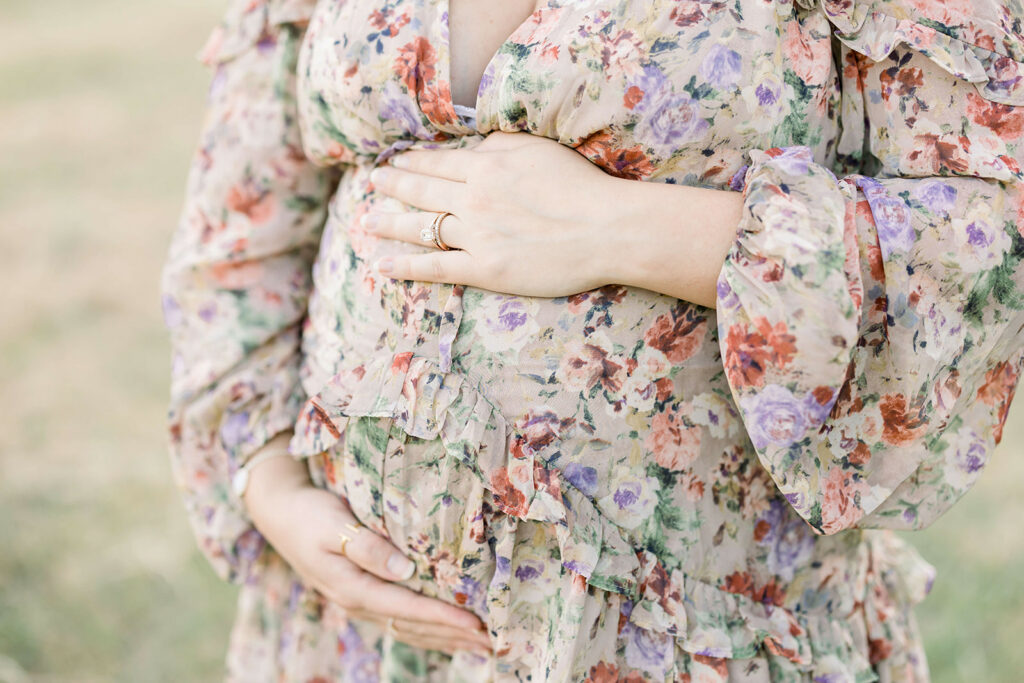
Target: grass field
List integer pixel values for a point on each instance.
(99, 578)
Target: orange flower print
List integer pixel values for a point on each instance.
(415, 64)
(686, 13)
(507, 497)
(749, 354)
(738, 582)
(901, 82)
(603, 672)
(679, 333)
(387, 23)
(675, 446)
(633, 95)
(998, 390)
(541, 427)
(629, 163)
(840, 500)
(237, 274)
(586, 364)
(808, 56)
(258, 206)
(935, 154)
(1004, 120)
(899, 426)
(435, 101)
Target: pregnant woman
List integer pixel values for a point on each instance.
(598, 340)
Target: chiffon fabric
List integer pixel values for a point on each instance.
(622, 485)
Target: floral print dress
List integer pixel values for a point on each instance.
(622, 485)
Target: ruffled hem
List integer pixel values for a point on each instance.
(245, 22)
(429, 403)
(997, 76)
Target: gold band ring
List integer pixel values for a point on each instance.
(390, 627)
(357, 527)
(344, 542)
(435, 231)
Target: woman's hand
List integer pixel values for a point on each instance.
(526, 216)
(536, 218)
(302, 523)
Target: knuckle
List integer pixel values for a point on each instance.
(436, 268)
(476, 200)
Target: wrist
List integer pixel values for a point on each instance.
(623, 235)
(277, 473)
(670, 239)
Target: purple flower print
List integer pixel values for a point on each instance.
(502, 569)
(768, 93)
(172, 311)
(971, 455)
(249, 547)
(775, 417)
(721, 67)
(648, 651)
(626, 495)
(936, 195)
(727, 298)
(789, 539)
(578, 567)
(398, 112)
(528, 571)
(469, 593)
(234, 431)
(892, 218)
(795, 160)
(669, 120)
(816, 412)
(582, 477)
(651, 80)
(973, 459)
(977, 235)
(511, 314)
(361, 663)
(208, 312)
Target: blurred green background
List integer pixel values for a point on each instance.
(100, 106)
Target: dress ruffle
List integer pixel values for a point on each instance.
(428, 403)
(875, 33)
(245, 22)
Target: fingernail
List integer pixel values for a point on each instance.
(401, 566)
(385, 266)
(398, 161)
(368, 221)
(378, 174)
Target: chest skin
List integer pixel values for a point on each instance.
(477, 30)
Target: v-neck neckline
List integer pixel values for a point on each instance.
(444, 64)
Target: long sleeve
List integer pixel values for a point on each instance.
(237, 277)
(871, 325)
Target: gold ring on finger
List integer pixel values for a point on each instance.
(392, 631)
(435, 230)
(344, 542)
(354, 526)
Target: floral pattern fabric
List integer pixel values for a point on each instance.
(622, 485)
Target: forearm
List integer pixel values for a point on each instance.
(669, 239)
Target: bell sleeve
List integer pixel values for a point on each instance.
(871, 325)
(237, 275)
